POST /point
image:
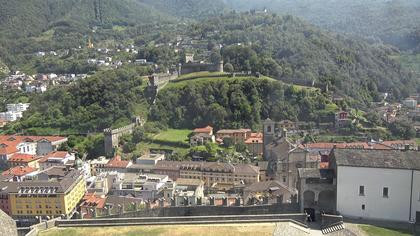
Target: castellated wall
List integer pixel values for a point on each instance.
(112, 136)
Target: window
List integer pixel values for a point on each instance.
(385, 192)
(362, 190)
(284, 179)
(363, 206)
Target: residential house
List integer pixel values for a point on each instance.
(20, 159)
(202, 136)
(254, 143)
(20, 173)
(97, 166)
(238, 135)
(117, 164)
(57, 158)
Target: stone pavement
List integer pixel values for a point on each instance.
(291, 229)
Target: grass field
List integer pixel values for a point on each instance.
(184, 82)
(378, 231)
(173, 135)
(178, 230)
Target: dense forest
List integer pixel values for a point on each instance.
(236, 103)
(287, 48)
(394, 22)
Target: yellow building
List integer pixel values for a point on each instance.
(52, 198)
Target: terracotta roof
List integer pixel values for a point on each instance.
(207, 129)
(255, 138)
(7, 148)
(19, 171)
(91, 200)
(57, 154)
(116, 162)
(20, 157)
(21, 138)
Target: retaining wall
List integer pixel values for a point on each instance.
(212, 210)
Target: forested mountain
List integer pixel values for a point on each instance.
(290, 49)
(197, 9)
(31, 17)
(392, 21)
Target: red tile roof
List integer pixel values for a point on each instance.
(18, 171)
(20, 157)
(208, 129)
(116, 162)
(255, 138)
(7, 148)
(20, 138)
(91, 200)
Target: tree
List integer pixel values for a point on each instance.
(228, 68)
(228, 142)
(241, 147)
(215, 57)
(138, 134)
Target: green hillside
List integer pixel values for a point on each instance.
(393, 22)
(235, 102)
(31, 17)
(289, 49)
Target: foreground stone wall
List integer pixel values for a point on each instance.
(7, 225)
(212, 210)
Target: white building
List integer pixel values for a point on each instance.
(14, 111)
(377, 184)
(18, 107)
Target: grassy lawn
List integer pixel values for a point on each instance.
(185, 82)
(200, 74)
(173, 135)
(378, 231)
(187, 230)
(173, 139)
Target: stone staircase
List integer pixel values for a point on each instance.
(332, 228)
